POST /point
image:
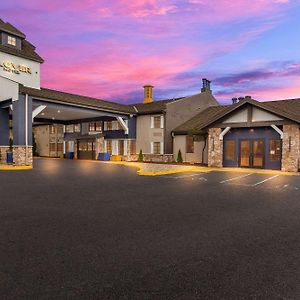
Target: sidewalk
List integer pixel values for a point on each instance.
(154, 169)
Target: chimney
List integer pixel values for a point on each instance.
(241, 99)
(247, 97)
(206, 85)
(148, 93)
(235, 100)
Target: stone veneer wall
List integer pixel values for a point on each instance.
(19, 156)
(3, 150)
(290, 148)
(215, 148)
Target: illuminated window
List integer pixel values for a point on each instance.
(121, 147)
(60, 147)
(70, 128)
(109, 146)
(52, 147)
(77, 128)
(109, 125)
(157, 122)
(52, 129)
(156, 148)
(11, 41)
(275, 150)
(229, 150)
(189, 144)
(132, 147)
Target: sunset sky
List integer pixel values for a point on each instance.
(110, 49)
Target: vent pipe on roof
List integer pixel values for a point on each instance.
(148, 93)
(205, 85)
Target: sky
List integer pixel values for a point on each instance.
(111, 49)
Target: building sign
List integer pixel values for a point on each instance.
(14, 68)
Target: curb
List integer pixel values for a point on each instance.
(17, 168)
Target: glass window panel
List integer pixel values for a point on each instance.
(189, 144)
(156, 147)
(157, 122)
(229, 150)
(275, 150)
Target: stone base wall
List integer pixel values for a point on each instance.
(156, 158)
(3, 150)
(19, 156)
(215, 148)
(291, 148)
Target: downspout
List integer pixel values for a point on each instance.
(204, 147)
(26, 127)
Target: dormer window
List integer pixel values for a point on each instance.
(11, 41)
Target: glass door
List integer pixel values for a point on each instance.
(258, 154)
(245, 153)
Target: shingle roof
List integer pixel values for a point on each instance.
(289, 109)
(27, 51)
(153, 107)
(7, 27)
(62, 97)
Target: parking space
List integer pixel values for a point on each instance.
(87, 230)
(250, 180)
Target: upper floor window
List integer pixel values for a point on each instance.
(157, 122)
(70, 128)
(52, 129)
(11, 41)
(95, 126)
(77, 128)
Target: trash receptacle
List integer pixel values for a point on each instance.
(104, 156)
(9, 157)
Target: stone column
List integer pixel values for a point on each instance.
(19, 131)
(215, 148)
(290, 148)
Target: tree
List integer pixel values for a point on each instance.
(179, 157)
(141, 156)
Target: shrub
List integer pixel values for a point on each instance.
(141, 156)
(179, 157)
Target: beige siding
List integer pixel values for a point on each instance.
(146, 135)
(179, 143)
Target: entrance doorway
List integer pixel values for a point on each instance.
(86, 150)
(252, 153)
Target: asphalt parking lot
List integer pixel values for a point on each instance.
(85, 230)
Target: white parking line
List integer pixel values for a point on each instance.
(260, 182)
(235, 178)
(187, 176)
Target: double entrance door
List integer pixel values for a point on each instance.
(86, 149)
(252, 153)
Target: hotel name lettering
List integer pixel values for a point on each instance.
(14, 68)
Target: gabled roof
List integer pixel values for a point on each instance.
(67, 98)
(289, 109)
(152, 107)
(7, 27)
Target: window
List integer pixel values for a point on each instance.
(52, 147)
(70, 128)
(229, 150)
(132, 147)
(189, 144)
(109, 146)
(156, 148)
(121, 147)
(109, 125)
(60, 129)
(11, 41)
(91, 127)
(77, 128)
(52, 129)
(157, 122)
(60, 147)
(275, 150)
(98, 126)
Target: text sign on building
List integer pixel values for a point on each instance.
(14, 68)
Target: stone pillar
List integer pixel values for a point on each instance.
(20, 107)
(215, 148)
(19, 156)
(3, 151)
(99, 146)
(290, 148)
